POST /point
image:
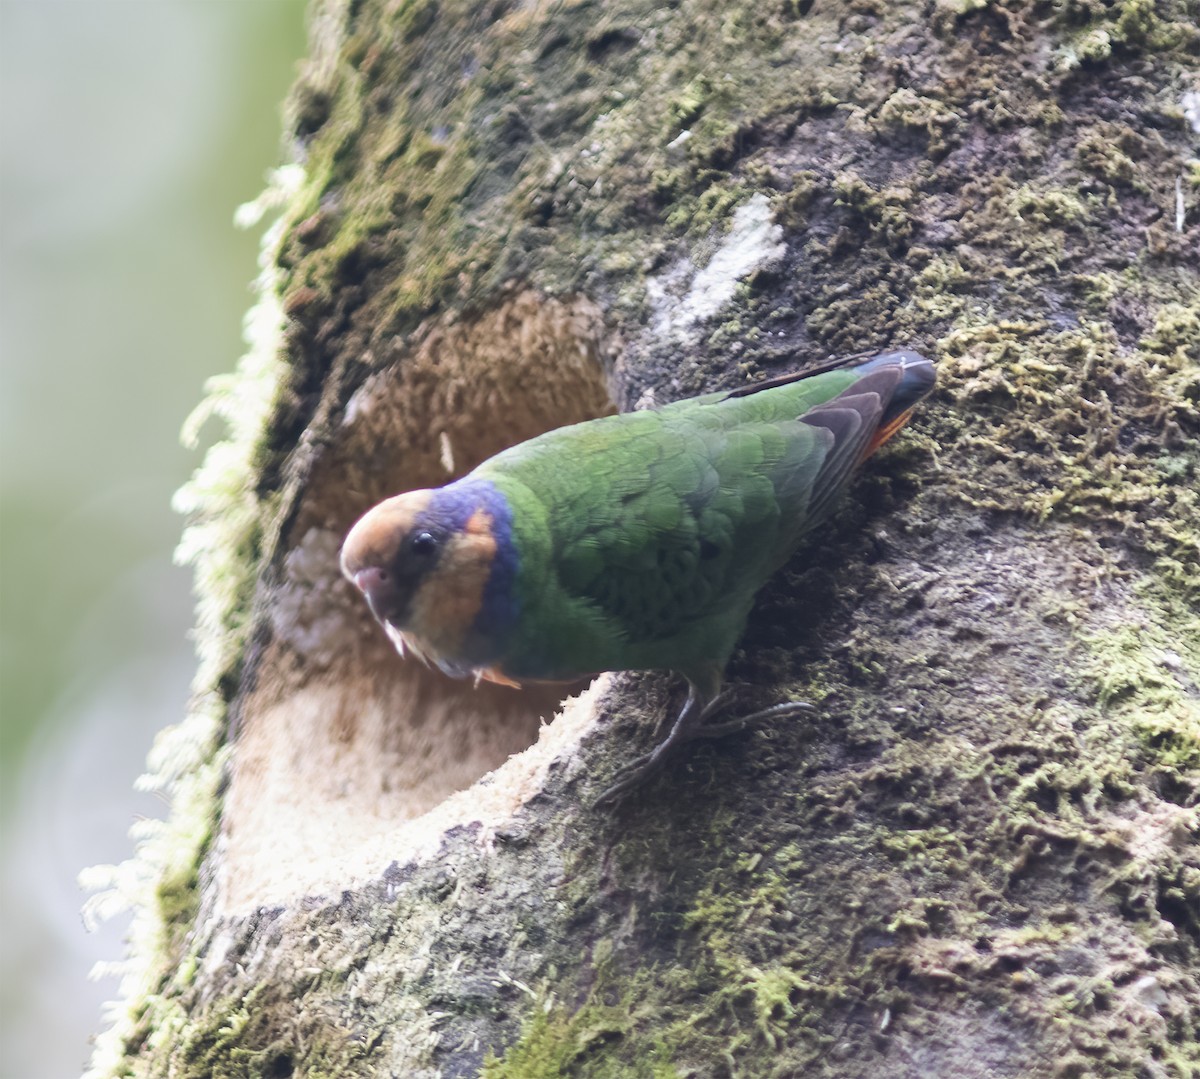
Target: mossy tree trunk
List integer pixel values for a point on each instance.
(979, 856)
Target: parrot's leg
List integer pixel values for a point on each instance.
(636, 773)
(735, 726)
(693, 701)
(689, 724)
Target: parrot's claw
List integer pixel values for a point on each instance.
(634, 775)
(736, 726)
(688, 725)
(684, 717)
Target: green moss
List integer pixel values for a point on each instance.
(887, 210)
(685, 107)
(178, 897)
(1128, 26)
(1089, 46)
(1174, 341)
(1096, 291)
(943, 288)
(1023, 384)
(545, 1048)
(556, 1044)
(223, 543)
(1143, 673)
(1046, 207)
(923, 846)
(1129, 665)
(1145, 24)
(938, 122)
(1103, 153)
(255, 1036)
(698, 215)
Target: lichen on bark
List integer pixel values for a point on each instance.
(981, 855)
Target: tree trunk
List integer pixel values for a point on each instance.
(978, 857)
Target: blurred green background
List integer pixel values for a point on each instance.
(130, 130)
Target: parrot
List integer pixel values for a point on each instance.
(636, 541)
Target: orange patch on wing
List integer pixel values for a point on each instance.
(886, 432)
(493, 674)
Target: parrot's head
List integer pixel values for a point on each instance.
(423, 561)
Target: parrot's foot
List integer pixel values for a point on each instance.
(690, 724)
(736, 726)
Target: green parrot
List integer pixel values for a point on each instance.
(632, 542)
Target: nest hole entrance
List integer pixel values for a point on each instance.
(345, 748)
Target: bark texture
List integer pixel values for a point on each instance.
(979, 858)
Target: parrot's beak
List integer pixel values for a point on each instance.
(381, 593)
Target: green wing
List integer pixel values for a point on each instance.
(663, 526)
(648, 534)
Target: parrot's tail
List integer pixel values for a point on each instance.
(863, 417)
(886, 432)
(917, 376)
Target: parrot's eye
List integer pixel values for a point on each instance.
(423, 543)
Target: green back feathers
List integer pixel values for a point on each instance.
(643, 537)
